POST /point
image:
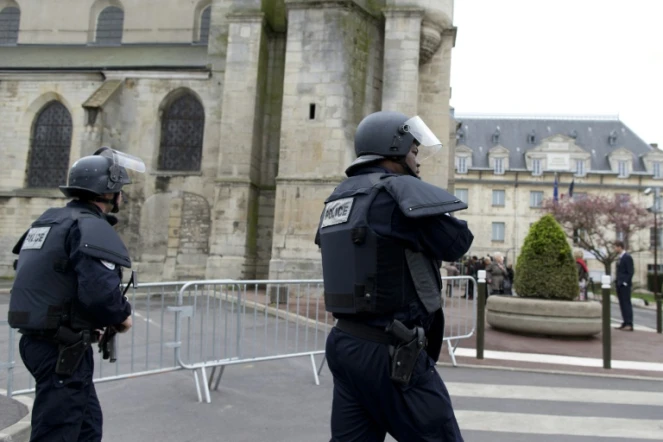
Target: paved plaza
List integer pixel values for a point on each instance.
(279, 401)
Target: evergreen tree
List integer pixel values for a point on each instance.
(546, 268)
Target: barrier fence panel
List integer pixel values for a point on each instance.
(141, 351)
(228, 322)
(459, 301)
(212, 324)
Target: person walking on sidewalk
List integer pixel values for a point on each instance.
(583, 274)
(624, 282)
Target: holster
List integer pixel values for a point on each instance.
(404, 355)
(72, 347)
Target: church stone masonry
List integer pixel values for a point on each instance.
(243, 110)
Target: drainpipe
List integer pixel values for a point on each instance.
(514, 241)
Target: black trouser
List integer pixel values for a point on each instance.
(367, 404)
(66, 408)
(624, 296)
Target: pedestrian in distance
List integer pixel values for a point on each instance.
(624, 281)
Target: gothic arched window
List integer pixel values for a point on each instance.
(110, 25)
(205, 18)
(182, 129)
(10, 19)
(50, 146)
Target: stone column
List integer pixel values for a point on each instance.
(330, 60)
(401, 59)
(433, 97)
(232, 252)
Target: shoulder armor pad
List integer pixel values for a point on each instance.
(418, 198)
(100, 240)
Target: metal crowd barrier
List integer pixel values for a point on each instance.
(226, 322)
(236, 322)
(459, 303)
(141, 351)
(217, 323)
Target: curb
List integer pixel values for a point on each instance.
(636, 302)
(20, 431)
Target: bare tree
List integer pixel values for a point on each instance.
(594, 222)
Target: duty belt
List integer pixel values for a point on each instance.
(368, 332)
(50, 335)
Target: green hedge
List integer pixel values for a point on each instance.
(546, 267)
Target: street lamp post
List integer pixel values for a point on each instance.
(657, 296)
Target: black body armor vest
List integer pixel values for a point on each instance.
(43, 296)
(365, 273)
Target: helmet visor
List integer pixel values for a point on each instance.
(128, 161)
(429, 144)
(122, 159)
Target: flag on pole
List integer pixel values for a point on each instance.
(571, 188)
(555, 190)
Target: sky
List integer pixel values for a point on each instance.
(561, 57)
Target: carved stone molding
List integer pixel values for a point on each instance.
(431, 40)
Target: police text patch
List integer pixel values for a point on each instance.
(35, 238)
(337, 212)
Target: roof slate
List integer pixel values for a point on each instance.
(590, 135)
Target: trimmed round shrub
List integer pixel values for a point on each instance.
(546, 268)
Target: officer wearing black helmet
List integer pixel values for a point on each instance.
(67, 288)
(383, 234)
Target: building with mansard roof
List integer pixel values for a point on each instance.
(244, 112)
(505, 167)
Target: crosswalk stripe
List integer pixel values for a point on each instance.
(562, 425)
(562, 394)
(560, 359)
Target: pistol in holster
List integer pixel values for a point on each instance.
(71, 349)
(404, 355)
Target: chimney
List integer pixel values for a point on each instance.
(654, 145)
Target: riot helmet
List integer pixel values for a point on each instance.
(389, 135)
(101, 173)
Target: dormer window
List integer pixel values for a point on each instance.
(463, 159)
(656, 168)
(622, 169)
(621, 162)
(531, 137)
(499, 166)
(462, 165)
(498, 159)
(653, 162)
(580, 168)
(536, 167)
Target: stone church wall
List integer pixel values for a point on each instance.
(281, 100)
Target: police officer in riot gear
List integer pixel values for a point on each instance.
(383, 234)
(67, 288)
